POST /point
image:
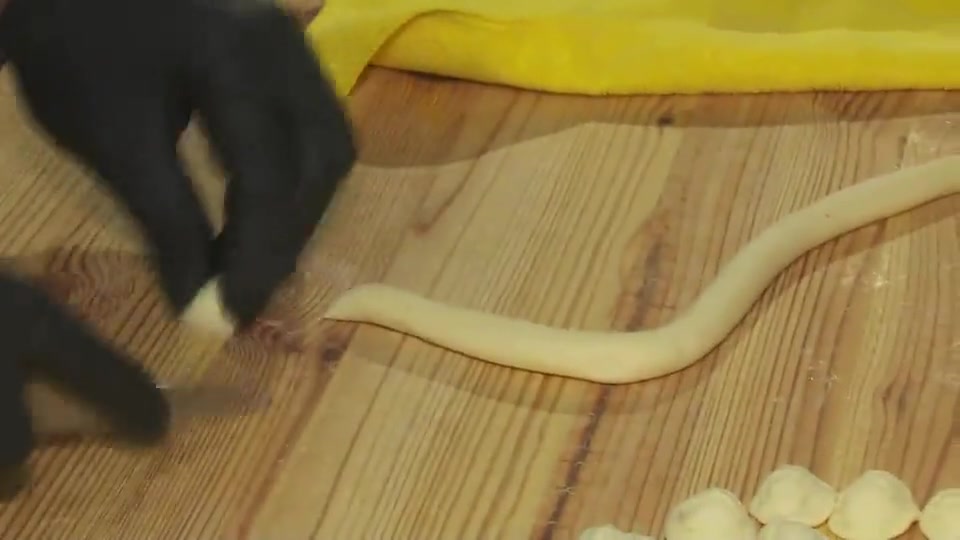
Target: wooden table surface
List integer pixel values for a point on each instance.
(578, 212)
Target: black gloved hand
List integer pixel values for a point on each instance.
(115, 82)
(42, 339)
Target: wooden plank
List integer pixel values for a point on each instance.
(588, 213)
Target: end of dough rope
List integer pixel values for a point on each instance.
(792, 503)
(628, 357)
(206, 312)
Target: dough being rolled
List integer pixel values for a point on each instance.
(206, 311)
(627, 357)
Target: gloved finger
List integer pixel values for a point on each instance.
(263, 230)
(262, 234)
(318, 122)
(54, 344)
(131, 146)
(284, 152)
(16, 436)
(157, 192)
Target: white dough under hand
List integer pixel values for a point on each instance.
(709, 515)
(627, 357)
(940, 519)
(875, 506)
(206, 311)
(793, 493)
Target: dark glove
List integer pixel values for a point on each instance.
(115, 82)
(41, 339)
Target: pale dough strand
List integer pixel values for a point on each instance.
(627, 357)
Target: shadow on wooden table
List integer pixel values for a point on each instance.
(432, 112)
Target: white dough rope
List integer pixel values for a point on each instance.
(626, 357)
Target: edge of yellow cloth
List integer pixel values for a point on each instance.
(606, 56)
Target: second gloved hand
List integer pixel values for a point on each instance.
(115, 82)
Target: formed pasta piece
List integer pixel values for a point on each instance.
(875, 506)
(940, 519)
(710, 514)
(793, 493)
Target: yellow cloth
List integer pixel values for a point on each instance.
(649, 46)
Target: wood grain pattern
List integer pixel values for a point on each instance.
(589, 213)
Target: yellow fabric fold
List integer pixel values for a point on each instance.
(649, 46)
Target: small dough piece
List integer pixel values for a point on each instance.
(793, 493)
(206, 311)
(609, 532)
(708, 515)
(789, 530)
(875, 506)
(940, 519)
